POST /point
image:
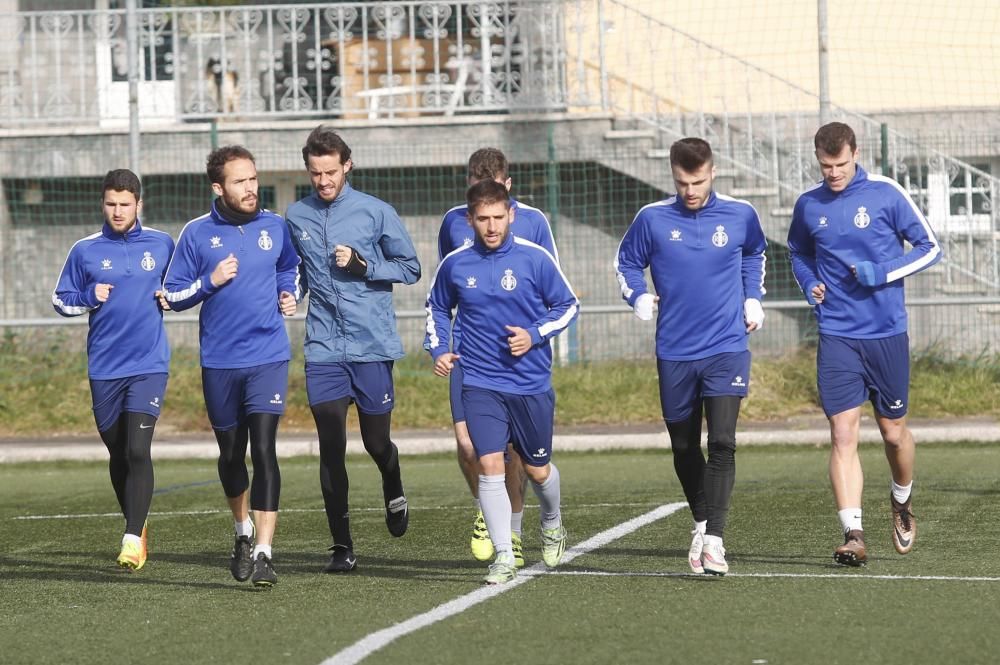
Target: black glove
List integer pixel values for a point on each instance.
(356, 265)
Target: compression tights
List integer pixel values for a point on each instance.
(131, 467)
(331, 426)
(708, 486)
(261, 431)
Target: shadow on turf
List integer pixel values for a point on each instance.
(101, 572)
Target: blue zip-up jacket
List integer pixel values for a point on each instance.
(518, 284)
(705, 263)
(867, 221)
(239, 324)
(126, 336)
(351, 319)
(529, 223)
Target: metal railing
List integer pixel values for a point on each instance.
(355, 59)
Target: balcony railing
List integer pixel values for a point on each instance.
(356, 59)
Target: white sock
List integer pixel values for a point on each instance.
(245, 528)
(548, 499)
(713, 540)
(496, 510)
(515, 523)
(257, 549)
(479, 506)
(901, 492)
(700, 527)
(850, 519)
(129, 538)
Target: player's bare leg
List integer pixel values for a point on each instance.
(847, 480)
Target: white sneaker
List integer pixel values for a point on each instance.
(694, 554)
(713, 557)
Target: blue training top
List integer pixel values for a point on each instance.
(126, 336)
(240, 324)
(867, 221)
(518, 284)
(705, 263)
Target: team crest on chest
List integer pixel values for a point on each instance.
(105, 264)
(264, 241)
(720, 238)
(508, 282)
(675, 235)
(470, 283)
(862, 220)
(305, 235)
(823, 222)
(216, 242)
(148, 263)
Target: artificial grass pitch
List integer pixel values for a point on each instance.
(63, 599)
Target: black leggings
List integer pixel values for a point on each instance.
(708, 486)
(261, 431)
(331, 426)
(131, 467)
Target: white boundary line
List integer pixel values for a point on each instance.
(222, 511)
(839, 576)
(375, 641)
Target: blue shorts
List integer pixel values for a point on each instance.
(232, 394)
(455, 394)
(851, 371)
(684, 383)
(137, 394)
(495, 418)
(369, 385)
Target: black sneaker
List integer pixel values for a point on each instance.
(342, 560)
(397, 516)
(240, 564)
(263, 572)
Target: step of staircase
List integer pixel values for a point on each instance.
(625, 134)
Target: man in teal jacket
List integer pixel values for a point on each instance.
(354, 248)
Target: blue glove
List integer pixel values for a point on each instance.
(869, 274)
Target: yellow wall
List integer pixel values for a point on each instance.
(913, 54)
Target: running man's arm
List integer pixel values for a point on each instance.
(754, 258)
(73, 294)
(912, 226)
(441, 300)
(558, 296)
(187, 282)
(397, 259)
(633, 259)
(802, 252)
(288, 266)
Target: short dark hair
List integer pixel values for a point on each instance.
(324, 141)
(122, 180)
(486, 192)
(218, 158)
(488, 164)
(690, 154)
(833, 136)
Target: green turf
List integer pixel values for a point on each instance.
(62, 600)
